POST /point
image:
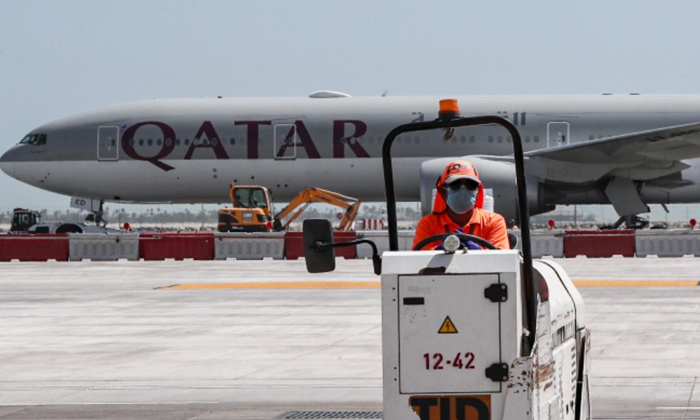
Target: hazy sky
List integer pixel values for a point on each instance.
(61, 57)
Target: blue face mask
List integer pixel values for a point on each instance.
(462, 200)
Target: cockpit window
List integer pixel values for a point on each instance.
(36, 139)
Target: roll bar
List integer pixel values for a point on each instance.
(453, 120)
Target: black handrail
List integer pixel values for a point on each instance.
(531, 289)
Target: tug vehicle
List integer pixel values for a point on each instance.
(472, 334)
(29, 221)
(23, 219)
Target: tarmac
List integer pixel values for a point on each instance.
(264, 339)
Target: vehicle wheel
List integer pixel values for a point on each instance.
(69, 228)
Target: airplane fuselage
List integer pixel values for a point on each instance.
(188, 150)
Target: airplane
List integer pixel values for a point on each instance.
(625, 150)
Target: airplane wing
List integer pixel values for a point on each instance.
(646, 156)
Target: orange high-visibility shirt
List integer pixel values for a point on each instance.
(484, 224)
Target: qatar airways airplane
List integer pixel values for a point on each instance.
(627, 150)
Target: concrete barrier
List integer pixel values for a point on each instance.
(667, 243)
(178, 246)
(547, 243)
(294, 245)
(599, 243)
(381, 239)
(544, 243)
(102, 247)
(34, 247)
(249, 246)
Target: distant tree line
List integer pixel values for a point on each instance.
(206, 216)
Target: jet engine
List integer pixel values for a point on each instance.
(498, 175)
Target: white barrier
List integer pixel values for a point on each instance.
(547, 243)
(543, 242)
(667, 243)
(103, 247)
(381, 239)
(249, 246)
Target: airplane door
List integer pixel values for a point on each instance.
(285, 141)
(557, 134)
(107, 143)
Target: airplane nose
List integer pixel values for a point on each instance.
(7, 163)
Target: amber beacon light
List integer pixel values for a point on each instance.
(449, 109)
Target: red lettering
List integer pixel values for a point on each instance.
(208, 138)
(253, 135)
(165, 150)
(214, 142)
(305, 142)
(351, 140)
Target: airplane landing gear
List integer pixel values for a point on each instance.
(96, 216)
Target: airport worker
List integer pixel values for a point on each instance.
(238, 202)
(459, 207)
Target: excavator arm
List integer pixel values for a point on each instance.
(296, 207)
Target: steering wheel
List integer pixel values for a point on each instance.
(462, 237)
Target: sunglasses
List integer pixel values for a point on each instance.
(470, 185)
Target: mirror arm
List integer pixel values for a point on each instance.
(376, 259)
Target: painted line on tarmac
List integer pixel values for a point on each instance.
(678, 408)
(376, 284)
(282, 285)
(636, 283)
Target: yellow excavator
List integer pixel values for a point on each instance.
(252, 209)
(284, 218)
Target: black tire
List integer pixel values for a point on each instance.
(69, 228)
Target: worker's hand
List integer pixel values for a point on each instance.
(468, 244)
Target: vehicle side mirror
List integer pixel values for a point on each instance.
(319, 255)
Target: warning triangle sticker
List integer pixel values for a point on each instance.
(447, 327)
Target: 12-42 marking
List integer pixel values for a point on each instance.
(435, 361)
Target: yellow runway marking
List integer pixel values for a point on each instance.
(376, 284)
(283, 285)
(634, 283)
